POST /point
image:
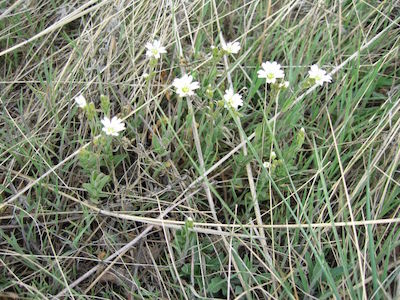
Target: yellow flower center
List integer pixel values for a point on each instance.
(185, 89)
(154, 51)
(270, 76)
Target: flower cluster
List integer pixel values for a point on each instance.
(270, 166)
(272, 72)
(185, 86)
(110, 127)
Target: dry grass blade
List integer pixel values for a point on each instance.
(279, 192)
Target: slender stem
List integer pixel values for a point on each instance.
(202, 166)
(243, 138)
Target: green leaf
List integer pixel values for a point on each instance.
(216, 284)
(105, 104)
(88, 160)
(95, 187)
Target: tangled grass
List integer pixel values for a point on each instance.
(292, 193)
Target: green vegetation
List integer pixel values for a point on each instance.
(294, 195)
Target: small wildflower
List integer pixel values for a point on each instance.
(185, 85)
(267, 165)
(189, 222)
(284, 85)
(273, 155)
(154, 50)
(231, 47)
(270, 71)
(145, 75)
(300, 137)
(80, 101)
(209, 91)
(232, 100)
(319, 75)
(113, 126)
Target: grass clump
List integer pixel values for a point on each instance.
(199, 149)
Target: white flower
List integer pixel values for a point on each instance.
(270, 71)
(284, 84)
(232, 100)
(145, 75)
(113, 126)
(80, 101)
(273, 155)
(154, 50)
(319, 75)
(266, 165)
(185, 85)
(302, 130)
(231, 47)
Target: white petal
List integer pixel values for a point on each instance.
(328, 78)
(261, 74)
(194, 85)
(120, 127)
(176, 83)
(106, 122)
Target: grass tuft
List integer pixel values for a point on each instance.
(294, 195)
